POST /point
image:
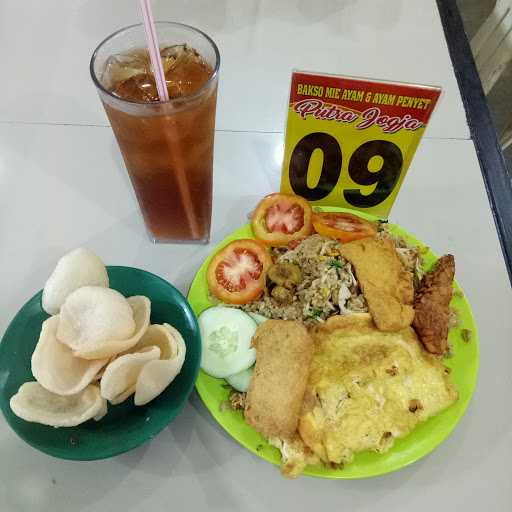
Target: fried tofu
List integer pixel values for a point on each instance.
(284, 350)
(367, 388)
(386, 285)
(432, 306)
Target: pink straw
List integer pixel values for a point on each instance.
(154, 50)
(161, 86)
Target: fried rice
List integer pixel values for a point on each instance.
(329, 286)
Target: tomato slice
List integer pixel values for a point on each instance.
(236, 274)
(344, 227)
(280, 218)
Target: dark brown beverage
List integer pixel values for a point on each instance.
(167, 147)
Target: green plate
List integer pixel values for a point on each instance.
(125, 426)
(425, 437)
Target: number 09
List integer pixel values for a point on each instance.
(385, 179)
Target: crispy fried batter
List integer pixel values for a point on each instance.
(283, 355)
(295, 455)
(431, 306)
(386, 285)
(237, 400)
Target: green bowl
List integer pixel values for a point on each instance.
(421, 441)
(125, 426)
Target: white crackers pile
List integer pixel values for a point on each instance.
(98, 346)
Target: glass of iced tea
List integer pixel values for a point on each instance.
(167, 146)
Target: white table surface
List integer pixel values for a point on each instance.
(65, 186)
(76, 196)
(45, 75)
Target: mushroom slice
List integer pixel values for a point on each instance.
(34, 403)
(79, 267)
(121, 374)
(285, 274)
(157, 375)
(56, 368)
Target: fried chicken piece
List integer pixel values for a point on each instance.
(431, 306)
(284, 350)
(386, 285)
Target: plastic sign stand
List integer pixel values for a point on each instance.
(350, 141)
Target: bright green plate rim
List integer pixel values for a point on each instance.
(424, 438)
(125, 426)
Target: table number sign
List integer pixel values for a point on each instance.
(349, 141)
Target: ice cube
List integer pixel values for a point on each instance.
(121, 67)
(130, 75)
(171, 55)
(185, 70)
(140, 87)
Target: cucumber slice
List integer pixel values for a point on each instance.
(226, 335)
(241, 380)
(259, 319)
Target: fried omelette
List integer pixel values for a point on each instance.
(386, 285)
(432, 305)
(367, 387)
(283, 355)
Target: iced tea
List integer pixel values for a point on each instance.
(167, 147)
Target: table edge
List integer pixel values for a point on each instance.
(492, 164)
